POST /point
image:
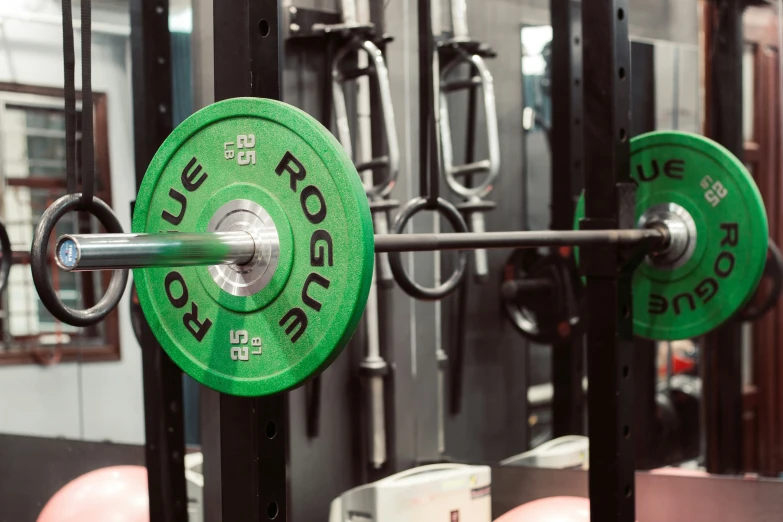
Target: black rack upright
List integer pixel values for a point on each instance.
(253, 432)
(246, 456)
(722, 350)
(568, 404)
(609, 204)
(162, 379)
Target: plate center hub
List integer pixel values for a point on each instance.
(682, 232)
(243, 215)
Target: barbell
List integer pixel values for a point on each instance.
(89, 252)
(252, 243)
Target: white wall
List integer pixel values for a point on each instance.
(48, 401)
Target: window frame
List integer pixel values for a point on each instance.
(46, 354)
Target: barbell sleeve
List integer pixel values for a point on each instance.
(84, 252)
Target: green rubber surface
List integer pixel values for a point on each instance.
(732, 233)
(296, 325)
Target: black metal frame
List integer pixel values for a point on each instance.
(162, 379)
(568, 404)
(250, 441)
(646, 425)
(245, 466)
(722, 351)
(253, 432)
(592, 124)
(609, 203)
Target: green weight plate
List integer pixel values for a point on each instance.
(719, 273)
(254, 164)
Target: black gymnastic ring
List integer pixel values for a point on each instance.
(39, 265)
(412, 288)
(7, 260)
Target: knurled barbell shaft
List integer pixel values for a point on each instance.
(84, 252)
(657, 236)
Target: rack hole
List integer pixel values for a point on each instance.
(577, 82)
(621, 73)
(623, 135)
(620, 14)
(626, 308)
(272, 510)
(628, 491)
(626, 431)
(626, 371)
(577, 40)
(263, 28)
(577, 121)
(271, 429)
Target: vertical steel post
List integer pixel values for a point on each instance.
(646, 436)
(609, 203)
(162, 379)
(567, 181)
(722, 350)
(253, 432)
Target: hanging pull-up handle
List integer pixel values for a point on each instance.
(458, 176)
(390, 162)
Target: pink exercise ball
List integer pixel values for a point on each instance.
(680, 472)
(115, 494)
(553, 509)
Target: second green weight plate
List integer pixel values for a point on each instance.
(264, 329)
(724, 266)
